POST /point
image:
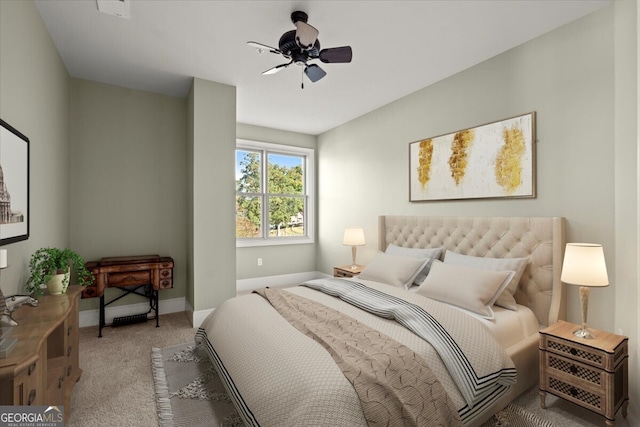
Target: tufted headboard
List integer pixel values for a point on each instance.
(541, 239)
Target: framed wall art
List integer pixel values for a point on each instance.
(494, 160)
(14, 185)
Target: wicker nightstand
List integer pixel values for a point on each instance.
(347, 271)
(592, 373)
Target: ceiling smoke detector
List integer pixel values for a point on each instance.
(119, 8)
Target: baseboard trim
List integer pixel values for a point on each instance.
(282, 280)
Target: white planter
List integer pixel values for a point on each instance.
(58, 284)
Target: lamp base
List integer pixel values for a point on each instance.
(584, 333)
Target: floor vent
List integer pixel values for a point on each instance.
(129, 320)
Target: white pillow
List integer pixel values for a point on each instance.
(431, 253)
(517, 265)
(393, 270)
(465, 287)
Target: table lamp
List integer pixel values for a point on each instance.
(353, 236)
(584, 265)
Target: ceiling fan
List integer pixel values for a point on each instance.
(300, 46)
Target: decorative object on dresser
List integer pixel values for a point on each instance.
(347, 271)
(584, 265)
(14, 302)
(51, 267)
(592, 373)
(353, 236)
(44, 365)
(139, 275)
(14, 185)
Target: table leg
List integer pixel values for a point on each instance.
(157, 304)
(102, 322)
(543, 396)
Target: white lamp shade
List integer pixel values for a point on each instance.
(353, 236)
(584, 265)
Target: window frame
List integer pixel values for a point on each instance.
(266, 148)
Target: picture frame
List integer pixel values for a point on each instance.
(493, 160)
(14, 185)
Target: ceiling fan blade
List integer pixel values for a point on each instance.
(336, 54)
(314, 72)
(262, 47)
(276, 68)
(306, 35)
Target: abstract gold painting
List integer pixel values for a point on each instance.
(488, 161)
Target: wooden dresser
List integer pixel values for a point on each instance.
(43, 366)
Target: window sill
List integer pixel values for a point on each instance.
(248, 243)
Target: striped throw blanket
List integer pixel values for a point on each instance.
(477, 378)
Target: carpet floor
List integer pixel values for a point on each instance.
(116, 386)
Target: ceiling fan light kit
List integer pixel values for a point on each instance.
(300, 46)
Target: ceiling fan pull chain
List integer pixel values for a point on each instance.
(302, 79)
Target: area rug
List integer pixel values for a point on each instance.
(189, 393)
(188, 390)
(514, 416)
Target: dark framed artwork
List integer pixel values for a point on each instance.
(494, 160)
(14, 185)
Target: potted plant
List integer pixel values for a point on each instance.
(52, 265)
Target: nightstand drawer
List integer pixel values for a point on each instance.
(575, 394)
(582, 353)
(347, 271)
(558, 365)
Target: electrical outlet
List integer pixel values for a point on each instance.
(259, 261)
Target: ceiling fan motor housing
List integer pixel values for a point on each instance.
(289, 47)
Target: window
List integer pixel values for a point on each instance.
(274, 194)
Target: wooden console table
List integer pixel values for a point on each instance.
(44, 365)
(141, 275)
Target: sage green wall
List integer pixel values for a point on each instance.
(34, 99)
(566, 76)
(212, 143)
(128, 177)
(581, 79)
(278, 259)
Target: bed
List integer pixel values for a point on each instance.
(287, 358)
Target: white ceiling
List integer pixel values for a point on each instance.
(398, 48)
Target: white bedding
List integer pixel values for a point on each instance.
(232, 331)
(509, 326)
